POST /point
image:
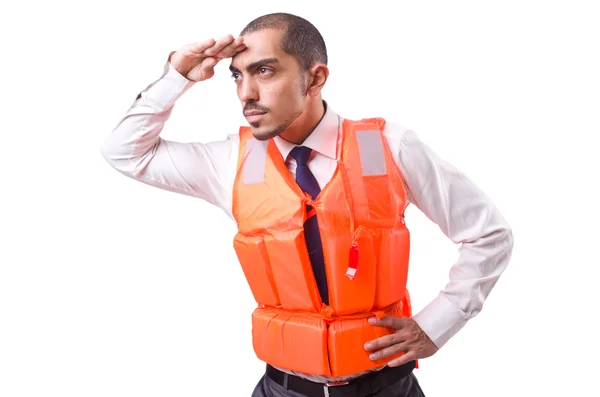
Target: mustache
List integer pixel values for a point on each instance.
(255, 106)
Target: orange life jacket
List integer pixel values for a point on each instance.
(362, 207)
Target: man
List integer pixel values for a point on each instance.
(319, 202)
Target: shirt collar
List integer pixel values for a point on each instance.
(323, 139)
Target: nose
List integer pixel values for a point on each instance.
(247, 91)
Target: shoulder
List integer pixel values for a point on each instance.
(395, 133)
(404, 144)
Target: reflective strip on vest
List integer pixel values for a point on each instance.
(256, 160)
(370, 147)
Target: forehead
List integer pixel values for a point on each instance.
(262, 44)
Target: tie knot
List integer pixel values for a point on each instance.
(301, 154)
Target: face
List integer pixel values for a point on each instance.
(270, 84)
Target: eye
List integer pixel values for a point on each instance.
(264, 70)
(235, 76)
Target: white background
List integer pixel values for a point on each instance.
(109, 287)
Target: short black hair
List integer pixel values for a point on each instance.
(301, 38)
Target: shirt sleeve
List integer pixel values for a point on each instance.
(136, 150)
(466, 216)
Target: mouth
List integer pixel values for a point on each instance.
(254, 116)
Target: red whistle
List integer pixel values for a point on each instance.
(353, 262)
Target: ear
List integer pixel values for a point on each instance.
(317, 77)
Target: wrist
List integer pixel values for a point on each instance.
(174, 62)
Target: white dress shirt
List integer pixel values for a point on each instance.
(445, 195)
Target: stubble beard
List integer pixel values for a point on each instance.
(263, 136)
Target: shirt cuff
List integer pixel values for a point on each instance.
(164, 92)
(440, 320)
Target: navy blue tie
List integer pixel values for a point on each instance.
(307, 182)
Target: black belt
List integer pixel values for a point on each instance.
(359, 387)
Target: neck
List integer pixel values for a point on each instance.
(304, 125)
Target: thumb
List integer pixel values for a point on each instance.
(207, 68)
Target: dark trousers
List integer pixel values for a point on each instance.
(407, 386)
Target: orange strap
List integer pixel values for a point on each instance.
(328, 314)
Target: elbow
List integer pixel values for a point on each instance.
(509, 239)
(116, 155)
(506, 238)
(497, 244)
(501, 244)
(107, 152)
(509, 242)
(501, 238)
(120, 157)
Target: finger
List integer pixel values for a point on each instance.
(387, 321)
(232, 45)
(231, 52)
(388, 351)
(383, 341)
(239, 48)
(403, 359)
(197, 48)
(219, 45)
